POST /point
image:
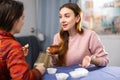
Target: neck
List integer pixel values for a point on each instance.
(12, 32)
(72, 32)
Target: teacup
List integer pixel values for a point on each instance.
(51, 70)
(61, 76)
(54, 49)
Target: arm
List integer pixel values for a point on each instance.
(99, 55)
(19, 69)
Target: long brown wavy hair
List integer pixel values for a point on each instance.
(64, 35)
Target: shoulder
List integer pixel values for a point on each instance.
(92, 35)
(57, 35)
(12, 43)
(88, 32)
(12, 47)
(56, 38)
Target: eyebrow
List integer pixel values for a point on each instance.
(65, 13)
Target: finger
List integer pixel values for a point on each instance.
(26, 46)
(86, 61)
(48, 49)
(80, 65)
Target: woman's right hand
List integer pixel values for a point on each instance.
(40, 67)
(53, 49)
(53, 58)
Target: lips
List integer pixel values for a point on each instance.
(64, 26)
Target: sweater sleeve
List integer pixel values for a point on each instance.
(97, 49)
(18, 67)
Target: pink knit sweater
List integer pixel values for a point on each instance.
(87, 43)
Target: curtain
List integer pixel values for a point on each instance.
(75, 1)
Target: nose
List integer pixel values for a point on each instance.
(62, 20)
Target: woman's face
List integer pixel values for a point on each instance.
(18, 25)
(67, 19)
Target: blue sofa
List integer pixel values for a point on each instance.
(35, 47)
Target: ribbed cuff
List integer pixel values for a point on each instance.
(37, 74)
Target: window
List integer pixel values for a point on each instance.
(102, 16)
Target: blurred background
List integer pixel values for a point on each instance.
(102, 16)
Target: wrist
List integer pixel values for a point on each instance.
(93, 57)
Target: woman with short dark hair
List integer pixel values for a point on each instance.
(12, 60)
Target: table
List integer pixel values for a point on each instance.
(95, 73)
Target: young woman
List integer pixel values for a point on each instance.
(76, 45)
(12, 60)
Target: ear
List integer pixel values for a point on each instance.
(15, 23)
(77, 18)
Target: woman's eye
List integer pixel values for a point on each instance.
(60, 16)
(67, 16)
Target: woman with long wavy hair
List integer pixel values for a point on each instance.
(76, 44)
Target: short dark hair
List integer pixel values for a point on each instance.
(10, 11)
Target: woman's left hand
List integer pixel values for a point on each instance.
(86, 61)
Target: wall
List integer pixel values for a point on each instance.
(112, 46)
(30, 18)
